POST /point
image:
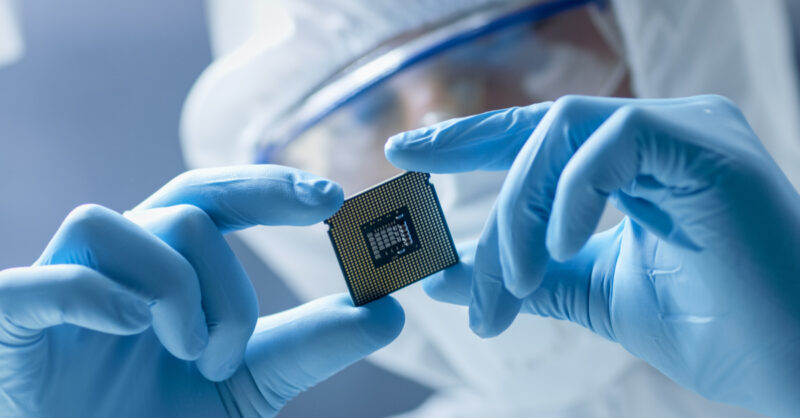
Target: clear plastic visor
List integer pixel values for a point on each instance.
(340, 130)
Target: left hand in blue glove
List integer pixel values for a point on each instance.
(150, 314)
(702, 280)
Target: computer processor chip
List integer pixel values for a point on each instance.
(390, 236)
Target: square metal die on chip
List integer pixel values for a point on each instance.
(390, 236)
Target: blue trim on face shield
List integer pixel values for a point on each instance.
(339, 91)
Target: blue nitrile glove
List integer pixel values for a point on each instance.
(702, 279)
(150, 314)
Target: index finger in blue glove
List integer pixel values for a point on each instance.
(488, 141)
(296, 349)
(238, 197)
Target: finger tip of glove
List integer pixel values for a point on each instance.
(492, 310)
(324, 196)
(224, 353)
(194, 349)
(449, 286)
(558, 249)
(137, 316)
(482, 330)
(432, 286)
(409, 150)
(520, 289)
(484, 326)
(397, 155)
(383, 320)
(216, 371)
(190, 343)
(217, 374)
(560, 253)
(438, 289)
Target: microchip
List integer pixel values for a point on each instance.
(390, 236)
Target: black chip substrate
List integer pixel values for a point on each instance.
(390, 236)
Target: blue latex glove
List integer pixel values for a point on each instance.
(702, 279)
(150, 314)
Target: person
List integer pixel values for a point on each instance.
(321, 85)
(650, 225)
(148, 313)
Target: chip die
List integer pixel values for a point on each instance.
(390, 236)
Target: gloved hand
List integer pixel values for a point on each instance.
(150, 314)
(702, 278)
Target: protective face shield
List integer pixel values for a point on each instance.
(494, 57)
(333, 79)
(11, 46)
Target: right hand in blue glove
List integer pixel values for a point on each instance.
(702, 279)
(150, 314)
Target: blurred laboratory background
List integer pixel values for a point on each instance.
(91, 114)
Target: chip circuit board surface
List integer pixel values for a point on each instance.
(390, 236)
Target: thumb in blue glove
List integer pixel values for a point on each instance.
(700, 280)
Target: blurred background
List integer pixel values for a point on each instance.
(90, 114)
